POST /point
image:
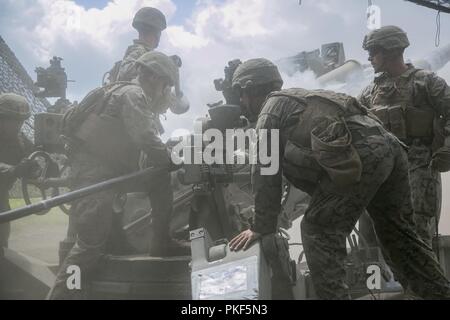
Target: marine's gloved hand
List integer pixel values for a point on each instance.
(27, 168)
(441, 160)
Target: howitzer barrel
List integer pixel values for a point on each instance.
(74, 195)
(342, 74)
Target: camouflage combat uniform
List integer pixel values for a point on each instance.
(333, 211)
(98, 228)
(11, 153)
(128, 69)
(14, 148)
(146, 19)
(426, 91)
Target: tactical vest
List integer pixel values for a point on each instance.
(403, 108)
(133, 53)
(100, 134)
(321, 143)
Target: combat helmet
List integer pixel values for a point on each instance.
(256, 72)
(149, 18)
(14, 106)
(387, 37)
(160, 64)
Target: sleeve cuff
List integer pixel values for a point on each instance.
(267, 226)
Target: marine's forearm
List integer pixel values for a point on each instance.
(267, 190)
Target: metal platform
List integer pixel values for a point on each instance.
(440, 5)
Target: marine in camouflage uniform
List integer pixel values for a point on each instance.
(14, 147)
(368, 171)
(107, 144)
(414, 104)
(149, 22)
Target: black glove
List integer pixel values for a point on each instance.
(26, 169)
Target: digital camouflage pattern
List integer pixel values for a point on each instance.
(97, 227)
(333, 212)
(149, 17)
(256, 72)
(11, 153)
(160, 64)
(14, 106)
(387, 37)
(145, 19)
(128, 70)
(426, 91)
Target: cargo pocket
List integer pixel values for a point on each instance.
(300, 167)
(419, 155)
(426, 192)
(397, 121)
(383, 116)
(419, 122)
(331, 143)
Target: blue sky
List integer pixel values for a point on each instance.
(182, 4)
(100, 4)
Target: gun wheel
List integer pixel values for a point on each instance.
(31, 188)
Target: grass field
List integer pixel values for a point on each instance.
(38, 235)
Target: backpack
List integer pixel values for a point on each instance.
(95, 101)
(86, 127)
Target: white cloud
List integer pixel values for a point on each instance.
(178, 36)
(232, 19)
(68, 22)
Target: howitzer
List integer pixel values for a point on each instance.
(46, 204)
(49, 147)
(212, 205)
(320, 61)
(47, 125)
(224, 85)
(49, 171)
(53, 79)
